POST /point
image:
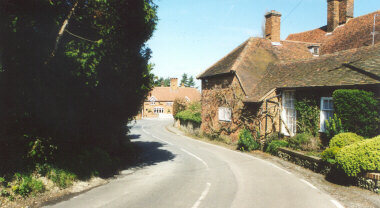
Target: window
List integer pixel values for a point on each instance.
(158, 110)
(224, 114)
(314, 50)
(169, 103)
(289, 114)
(327, 111)
(187, 99)
(152, 100)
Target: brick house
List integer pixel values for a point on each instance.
(159, 103)
(254, 85)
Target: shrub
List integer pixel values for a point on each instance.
(345, 139)
(179, 105)
(307, 116)
(61, 178)
(246, 141)
(358, 110)
(333, 127)
(298, 140)
(329, 154)
(192, 113)
(360, 157)
(25, 184)
(275, 144)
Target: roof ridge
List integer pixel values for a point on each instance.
(224, 57)
(296, 41)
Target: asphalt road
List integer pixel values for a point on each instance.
(182, 172)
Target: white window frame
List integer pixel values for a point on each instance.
(224, 114)
(169, 103)
(158, 110)
(325, 113)
(289, 113)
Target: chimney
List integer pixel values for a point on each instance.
(346, 11)
(332, 15)
(273, 26)
(174, 83)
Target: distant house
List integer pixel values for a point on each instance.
(255, 85)
(160, 101)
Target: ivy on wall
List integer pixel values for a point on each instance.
(307, 116)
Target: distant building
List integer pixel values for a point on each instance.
(159, 102)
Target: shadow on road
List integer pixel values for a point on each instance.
(151, 153)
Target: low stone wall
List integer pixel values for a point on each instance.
(369, 181)
(188, 126)
(310, 162)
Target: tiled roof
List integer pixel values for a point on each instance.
(250, 60)
(354, 34)
(346, 68)
(168, 94)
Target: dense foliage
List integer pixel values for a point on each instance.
(359, 111)
(179, 105)
(360, 157)
(337, 143)
(191, 113)
(66, 92)
(246, 141)
(333, 127)
(307, 116)
(187, 81)
(274, 145)
(345, 139)
(299, 140)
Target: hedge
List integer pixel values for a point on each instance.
(360, 157)
(345, 139)
(358, 110)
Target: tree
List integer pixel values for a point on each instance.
(84, 94)
(184, 79)
(190, 82)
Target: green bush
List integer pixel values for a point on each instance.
(61, 178)
(246, 141)
(298, 140)
(179, 105)
(344, 139)
(307, 116)
(25, 184)
(329, 154)
(275, 144)
(360, 157)
(359, 111)
(333, 127)
(192, 113)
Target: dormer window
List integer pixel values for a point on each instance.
(152, 100)
(187, 99)
(314, 50)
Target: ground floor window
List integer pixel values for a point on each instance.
(327, 111)
(158, 110)
(289, 114)
(224, 114)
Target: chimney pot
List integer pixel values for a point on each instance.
(273, 26)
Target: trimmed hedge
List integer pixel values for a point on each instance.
(345, 139)
(360, 157)
(358, 110)
(192, 113)
(329, 154)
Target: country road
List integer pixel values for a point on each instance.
(183, 172)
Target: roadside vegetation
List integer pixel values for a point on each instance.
(66, 98)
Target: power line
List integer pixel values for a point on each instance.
(294, 8)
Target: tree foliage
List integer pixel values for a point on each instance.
(85, 94)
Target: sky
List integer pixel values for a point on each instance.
(192, 35)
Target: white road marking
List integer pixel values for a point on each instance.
(336, 203)
(309, 184)
(243, 154)
(203, 195)
(196, 157)
(280, 169)
(142, 127)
